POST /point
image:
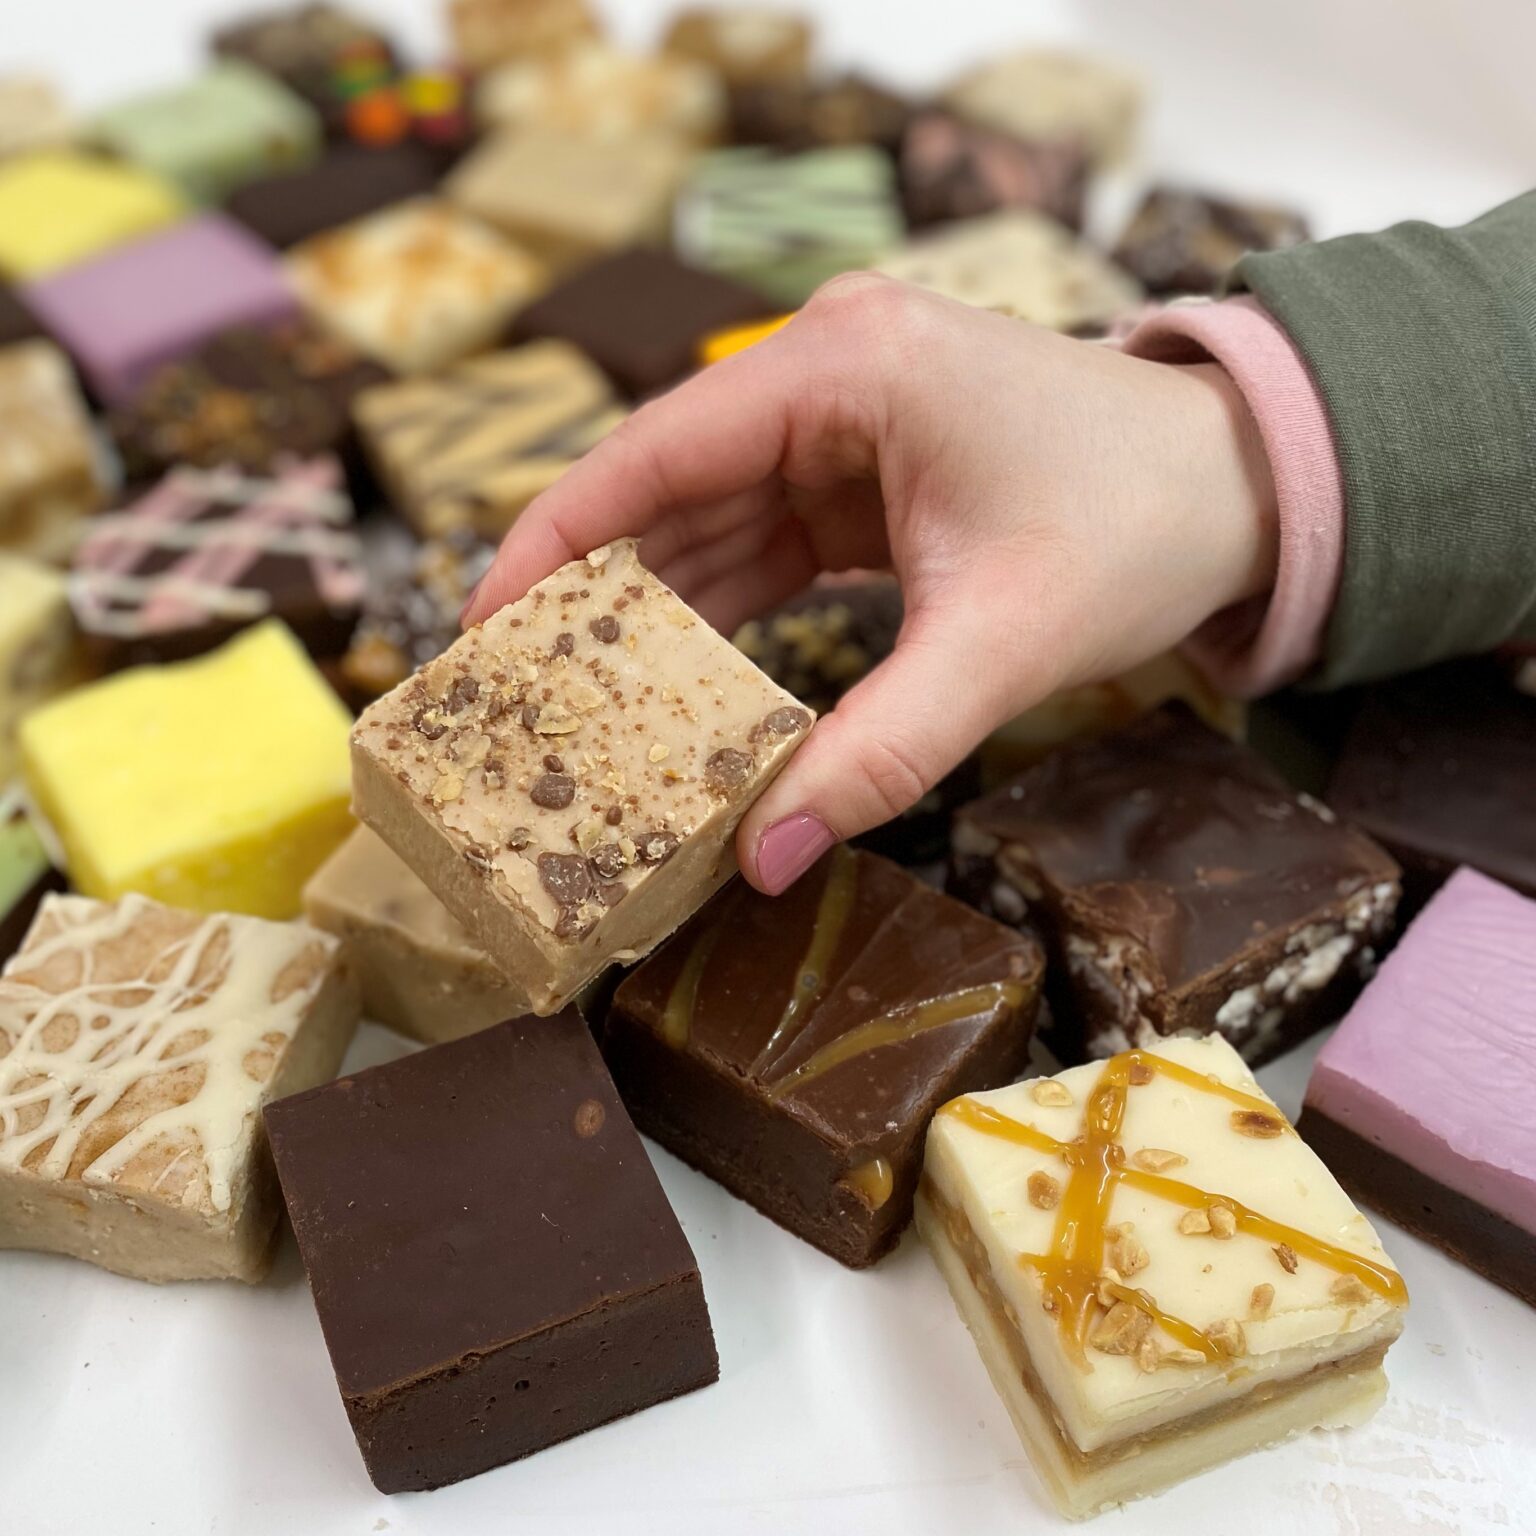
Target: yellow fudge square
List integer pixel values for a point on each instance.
(62, 207)
(216, 785)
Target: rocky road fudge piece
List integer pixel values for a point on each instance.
(138, 1044)
(33, 115)
(567, 778)
(420, 972)
(743, 44)
(1019, 263)
(640, 316)
(218, 784)
(1159, 1273)
(26, 873)
(39, 649)
(1394, 1108)
(564, 1294)
(819, 114)
(415, 286)
(208, 552)
(1180, 241)
(470, 447)
(1182, 887)
(795, 1047)
(490, 32)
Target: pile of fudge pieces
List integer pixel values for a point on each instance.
(284, 349)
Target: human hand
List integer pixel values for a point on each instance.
(1056, 512)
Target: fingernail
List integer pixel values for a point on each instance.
(788, 848)
(469, 602)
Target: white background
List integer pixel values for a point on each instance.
(847, 1403)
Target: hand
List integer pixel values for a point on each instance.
(1055, 511)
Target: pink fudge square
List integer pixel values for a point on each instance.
(122, 315)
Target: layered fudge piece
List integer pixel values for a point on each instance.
(17, 322)
(58, 207)
(39, 649)
(249, 397)
(570, 200)
(564, 1294)
(26, 873)
(1438, 767)
(640, 316)
(784, 224)
(470, 447)
(208, 552)
(1182, 887)
(1393, 1107)
(215, 133)
(1038, 94)
(743, 44)
(128, 313)
(1019, 263)
(1160, 1275)
(414, 286)
(1180, 241)
(952, 169)
(490, 32)
(568, 777)
(33, 115)
(420, 972)
(218, 785)
(138, 1044)
(819, 114)
(796, 1047)
(50, 480)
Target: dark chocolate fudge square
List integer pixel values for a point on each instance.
(795, 1048)
(494, 1263)
(801, 115)
(1181, 886)
(639, 316)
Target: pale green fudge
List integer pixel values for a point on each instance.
(24, 869)
(786, 223)
(229, 126)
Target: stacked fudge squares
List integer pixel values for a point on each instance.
(285, 349)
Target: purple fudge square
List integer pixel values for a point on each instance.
(124, 314)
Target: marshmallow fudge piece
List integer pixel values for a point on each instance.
(39, 648)
(208, 552)
(818, 114)
(415, 286)
(33, 115)
(1179, 241)
(1160, 1275)
(490, 32)
(420, 972)
(568, 777)
(796, 1047)
(218, 785)
(1039, 94)
(564, 1294)
(470, 447)
(126, 314)
(743, 44)
(138, 1044)
(570, 200)
(50, 481)
(1182, 887)
(26, 872)
(59, 207)
(785, 224)
(1019, 263)
(1393, 1108)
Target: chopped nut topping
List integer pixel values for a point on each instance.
(1044, 1191)
(430, 723)
(566, 877)
(1157, 1160)
(587, 833)
(1349, 1290)
(605, 629)
(551, 720)
(1149, 1354)
(1121, 1330)
(1193, 1223)
(1287, 1256)
(448, 787)
(1049, 1092)
(553, 791)
(1223, 1221)
(659, 752)
(1129, 1254)
(1255, 1122)
(584, 697)
(656, 847)
(1227, 1335)
(1261, 1300)
(598, 558)
(1140, 1074)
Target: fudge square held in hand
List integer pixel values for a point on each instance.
(1158, 1272)
(567, 778)
(137, 1046)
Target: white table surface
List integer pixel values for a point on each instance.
(847, 1403)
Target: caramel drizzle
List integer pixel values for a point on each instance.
(683, 999)
(871, 1181)
(1070, 1272)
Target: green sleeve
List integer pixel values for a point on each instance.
(1423, 344)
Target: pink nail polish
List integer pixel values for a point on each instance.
(789, 847)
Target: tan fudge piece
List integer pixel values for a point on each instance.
(138, 1044)
(420, 972)
(568, 776)
(33, 115)
(744, 44)
(489, 32)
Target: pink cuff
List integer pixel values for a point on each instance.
(1267, 642)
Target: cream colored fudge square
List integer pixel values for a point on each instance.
(33, 115)
(568, 776)
(1159, 1273)
(138, 1044)
(488, 32)
(745, 44)
(420, 972)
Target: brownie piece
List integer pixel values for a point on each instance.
(1186, 242)
(1182, 888)
(1438, 767)
(800, 1061)
(639, 316)
(498, 1180)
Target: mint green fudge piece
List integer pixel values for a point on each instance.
(23, 867)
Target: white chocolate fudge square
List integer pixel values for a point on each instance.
(1159, 1273)
(138, 1044)
(568, 776)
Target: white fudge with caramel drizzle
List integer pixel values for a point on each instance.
(1159, 1274)
(138, 1044)
(567, 778)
